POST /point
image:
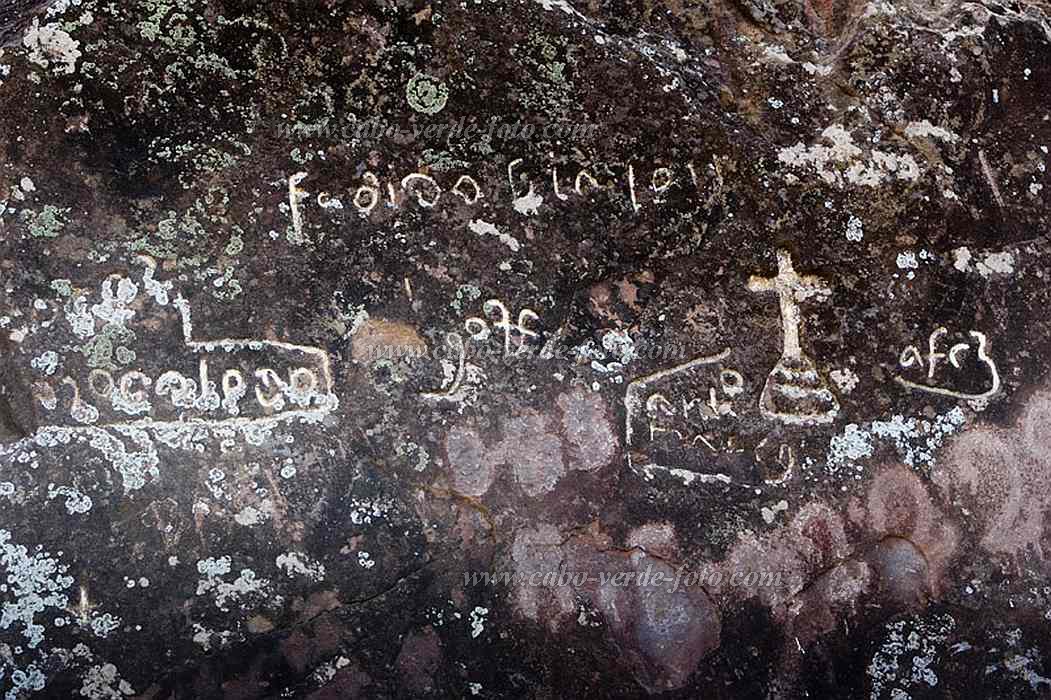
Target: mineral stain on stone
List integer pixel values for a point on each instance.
(382, 339)
(471, 468)
(1003, 477)
(533, 451)
(588, 431)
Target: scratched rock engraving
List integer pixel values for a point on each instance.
(967, 359)
(663, 426)
(110, 380)
(794, 392)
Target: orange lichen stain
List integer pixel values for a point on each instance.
(379, 339)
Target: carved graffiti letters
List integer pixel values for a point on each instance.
(214, 382)
(955, 354)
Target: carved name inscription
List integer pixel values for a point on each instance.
(177, 379)
(700, 405)
(961, 356)
(701, 411)
(659, 427)
(525, 188)
(463, 377)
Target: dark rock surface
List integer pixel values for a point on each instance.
(716, 333)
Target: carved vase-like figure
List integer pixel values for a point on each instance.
(795, 392)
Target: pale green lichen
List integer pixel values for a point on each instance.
(171, 231)
(62, 287)
(51, 47)
(46, 223)
(214, 571)
(916, 441)
(226, 287)
(315, 106)
(299, 157)
(36, 582)
(466, 292)
(549, 59)
(414, 453)
(107, 345)
(442, 161)
(425, 94)
(176, 236)
(236, 245)
(908, 656)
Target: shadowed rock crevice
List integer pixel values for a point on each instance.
(15, 15)
(16, 409)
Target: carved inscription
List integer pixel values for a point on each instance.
(699, 405)
(463, 377)
(795, 392)
(683, 408)
(182, 380)
(526, 188)
(943, 359)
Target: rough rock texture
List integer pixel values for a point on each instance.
(525, 349)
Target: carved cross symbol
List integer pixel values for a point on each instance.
(792, 288)
(795, 393)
